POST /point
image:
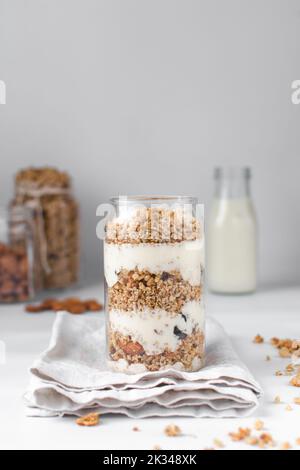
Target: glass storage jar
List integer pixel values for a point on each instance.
(47, 193)
(16, 257)
(154, 266)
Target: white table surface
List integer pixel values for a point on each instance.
(270, 312)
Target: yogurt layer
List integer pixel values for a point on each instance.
(186, 257)
(157, 330)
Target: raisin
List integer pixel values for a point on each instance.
(179, 333)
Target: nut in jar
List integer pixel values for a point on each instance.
(16, 270)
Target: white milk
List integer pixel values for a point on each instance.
(231, 263)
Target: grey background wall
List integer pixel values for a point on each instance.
(147, 96)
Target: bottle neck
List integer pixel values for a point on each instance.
(232, 183)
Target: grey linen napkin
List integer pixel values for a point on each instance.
(71, 378)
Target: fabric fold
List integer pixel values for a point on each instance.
(71, 378)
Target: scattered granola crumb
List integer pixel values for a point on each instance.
(277, 400)
(258, 339)
(240, 435)
(289, 408)
(92, 419)
(156, 448)
(265, 439)
(258, 425)
(295, 381)
(278, 373)
(284, 352)
(136, 429)
(289, 368)
(287, 347)
(218, 443)
(268, 358)
(251, 440)
(297, 400)
(172, 430)
(285, 446)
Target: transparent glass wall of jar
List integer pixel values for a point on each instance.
(16, 257)
(231, 257)
(154, 267)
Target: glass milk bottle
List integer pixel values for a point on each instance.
(231, 263)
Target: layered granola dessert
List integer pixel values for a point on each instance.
(154, 262)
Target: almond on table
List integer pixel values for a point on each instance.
(71, 304)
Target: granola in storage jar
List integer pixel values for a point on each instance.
(46, 192)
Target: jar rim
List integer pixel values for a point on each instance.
(154, 199)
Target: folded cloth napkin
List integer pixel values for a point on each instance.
(71, 378)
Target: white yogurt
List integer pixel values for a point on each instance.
(186, 257)
(156, 330)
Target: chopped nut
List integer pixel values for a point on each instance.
(92, 419)
(278, 373)
(136, 429)
(240, 435)
(156, 448)
(288, 408)
(297, 400)
(172, 430)
(218, 443)
(258, 425)
(258, 339)
(268, 358)
(277, 400)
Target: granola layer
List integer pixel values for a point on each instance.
(125, 353)
(157, 330)
(153, 225)
(137, 290)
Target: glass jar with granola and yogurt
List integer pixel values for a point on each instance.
(154, 266)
